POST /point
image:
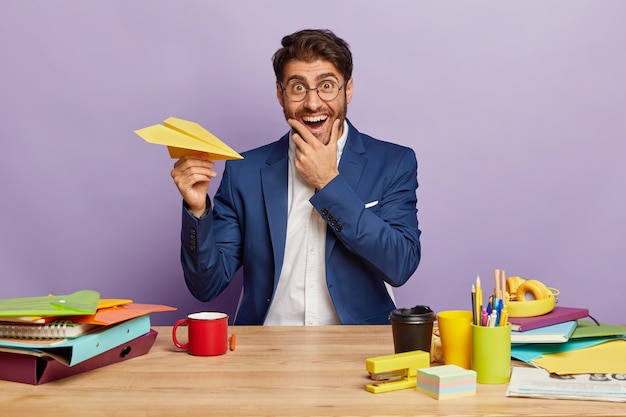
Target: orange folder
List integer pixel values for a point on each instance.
(118, 313)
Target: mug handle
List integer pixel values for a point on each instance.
(176, 342)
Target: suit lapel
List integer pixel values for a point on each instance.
(352, 158)
(274, 180)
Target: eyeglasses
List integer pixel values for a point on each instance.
(326, 90)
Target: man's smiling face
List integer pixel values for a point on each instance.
(316, 114)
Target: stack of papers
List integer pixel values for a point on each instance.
(590, 349)
(537, 383)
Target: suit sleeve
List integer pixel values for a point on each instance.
(208, 264)
(384, 235)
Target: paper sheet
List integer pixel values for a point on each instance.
(602, 358)
(529, 352)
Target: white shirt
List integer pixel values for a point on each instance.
(302, 296)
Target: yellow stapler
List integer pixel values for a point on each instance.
(397, 371)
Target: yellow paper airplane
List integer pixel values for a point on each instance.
(180, 136)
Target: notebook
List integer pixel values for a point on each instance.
(58, 329)
(558, 315)
(555, 333)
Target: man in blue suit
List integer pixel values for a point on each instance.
(323, 221)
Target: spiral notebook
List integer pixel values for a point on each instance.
(58, 329)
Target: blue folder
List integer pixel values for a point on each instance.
(73, 351)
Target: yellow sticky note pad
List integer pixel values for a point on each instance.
(180, 136)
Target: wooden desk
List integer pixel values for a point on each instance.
(274, 371)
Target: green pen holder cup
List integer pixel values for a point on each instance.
(491, 354)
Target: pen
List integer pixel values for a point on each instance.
(504, 316)
(496, 279)
(479, 301)
(498, 312)
(484, 316)
(503, 313)
(474, 311)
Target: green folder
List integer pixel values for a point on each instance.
(588, 328)
(75, 304)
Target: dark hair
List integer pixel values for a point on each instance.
(311, 44)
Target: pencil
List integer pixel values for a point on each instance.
(496, 279)
(479, 301)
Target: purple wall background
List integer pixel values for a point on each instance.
(515, 110)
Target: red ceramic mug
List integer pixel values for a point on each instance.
(207, 333)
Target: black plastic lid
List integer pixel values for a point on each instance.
(414, 315)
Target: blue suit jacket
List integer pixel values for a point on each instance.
(372, 234)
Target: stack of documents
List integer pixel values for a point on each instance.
(536, 383)
(51, 337)
(591, 348)
(587, 365)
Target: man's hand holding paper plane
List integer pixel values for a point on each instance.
(180, 136)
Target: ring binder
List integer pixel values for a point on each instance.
(39, 369)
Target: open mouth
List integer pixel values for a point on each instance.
(315, 123)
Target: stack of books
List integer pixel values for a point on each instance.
(46, 338)
(556, 326)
